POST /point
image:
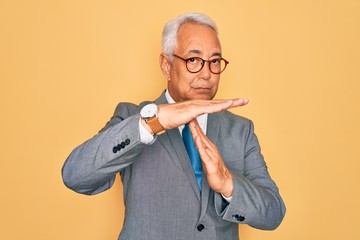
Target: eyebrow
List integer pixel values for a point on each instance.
(216, 54)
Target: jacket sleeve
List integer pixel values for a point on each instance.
(92, 166)
(256, 200)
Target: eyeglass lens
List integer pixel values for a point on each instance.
(196, 64)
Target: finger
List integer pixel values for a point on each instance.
(200, 145)
(203, 143)
(218, 106)
(206, 144)
(236, 102)
(221, 105)
(240, 102)
(205, 157)
(198, 136)
(196, 131)
(195, 127)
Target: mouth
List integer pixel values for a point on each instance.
(202, 89)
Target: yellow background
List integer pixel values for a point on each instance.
(64, 65)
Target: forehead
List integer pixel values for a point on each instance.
(197, 38)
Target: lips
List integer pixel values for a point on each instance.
(202, 89)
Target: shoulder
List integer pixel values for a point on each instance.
(128, 108)
(123, 111)
(233, 119)
(233, 124)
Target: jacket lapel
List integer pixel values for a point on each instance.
(173, 143)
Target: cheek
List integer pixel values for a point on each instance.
(216, 83)
(183, 79)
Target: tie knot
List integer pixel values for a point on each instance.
(186, 133)
(186, 126)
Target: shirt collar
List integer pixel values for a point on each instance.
(202, 119)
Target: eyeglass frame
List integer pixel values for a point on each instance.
(203, 63)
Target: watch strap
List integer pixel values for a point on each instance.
(155, 125)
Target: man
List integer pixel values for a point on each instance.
(169, 194)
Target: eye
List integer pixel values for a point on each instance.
(216, 61)
(192, 60)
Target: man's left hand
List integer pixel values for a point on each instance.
(218, 175)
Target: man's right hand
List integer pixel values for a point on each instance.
(177, 114)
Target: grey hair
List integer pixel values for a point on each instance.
(169, 34)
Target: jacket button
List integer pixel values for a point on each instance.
(127, 141)
(200, 227)
(122, 145)
(115, 149)
(239, 218)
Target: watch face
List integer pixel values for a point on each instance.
(148, 110)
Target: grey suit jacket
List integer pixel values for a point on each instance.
(161, 196)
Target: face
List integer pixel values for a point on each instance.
(193, 40)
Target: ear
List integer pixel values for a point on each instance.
(165, 65)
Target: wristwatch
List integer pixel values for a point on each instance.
(150, 114)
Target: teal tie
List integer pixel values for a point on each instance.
(193, 153)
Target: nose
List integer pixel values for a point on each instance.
(205, 72)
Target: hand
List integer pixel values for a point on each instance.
(177, 114)
(218, 175)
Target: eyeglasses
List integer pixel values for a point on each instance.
(195, 64)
